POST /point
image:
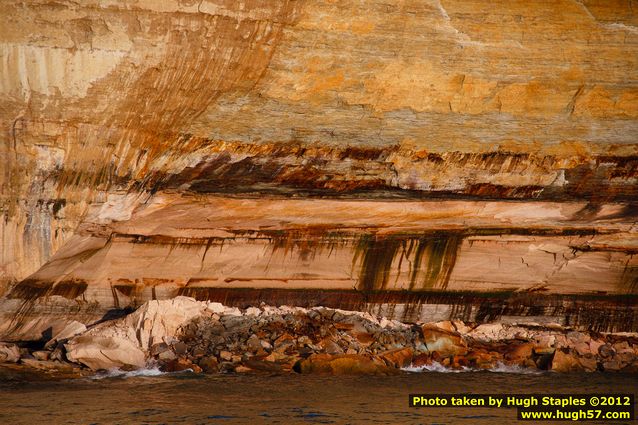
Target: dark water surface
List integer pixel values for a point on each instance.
(186, 398)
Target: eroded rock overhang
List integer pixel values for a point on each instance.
(544, 262)
(437, 159)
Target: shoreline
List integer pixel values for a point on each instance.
(206, 337)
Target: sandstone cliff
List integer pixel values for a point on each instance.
(213, 148)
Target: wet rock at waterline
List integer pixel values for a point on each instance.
(185, 334)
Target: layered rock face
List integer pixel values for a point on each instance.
(437, 159)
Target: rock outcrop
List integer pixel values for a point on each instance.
(126, 342)
(185, 334)
(425, 160)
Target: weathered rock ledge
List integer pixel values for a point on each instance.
(183, 333)
(477, 261)
(423, 161)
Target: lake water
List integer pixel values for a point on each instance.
(186, 398)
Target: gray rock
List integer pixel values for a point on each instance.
(167, 356)
(338, 317)
(159, 348)
(606, 351)
(314, 315)
(236, 324)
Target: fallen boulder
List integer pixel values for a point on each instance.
(124, 343)
(97, 352)
(564, 361)
(399, 357)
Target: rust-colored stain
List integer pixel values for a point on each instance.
(292, 168)
(602, 313)
(32, 289)
(69, 289)
(288, 100)
(126, 290)
(430, 260)
(378, 256)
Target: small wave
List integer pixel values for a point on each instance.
(503, 368)
(499, 368)
(435, 367)
(117, 373)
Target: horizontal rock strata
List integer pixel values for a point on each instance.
(409, 260)
(425, 160)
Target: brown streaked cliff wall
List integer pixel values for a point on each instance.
(408, 259)
(104, 105)
(94, 92)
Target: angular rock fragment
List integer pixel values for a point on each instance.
(9, 353)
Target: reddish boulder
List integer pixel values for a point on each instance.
(564, 361)
(180, 364)
(209, 364)
(262, 365)
(345, 364)
(400, 357)
(422, 360)
(519, 353)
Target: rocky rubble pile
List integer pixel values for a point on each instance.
(334, 341)
(182, 334)
(285, 338)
